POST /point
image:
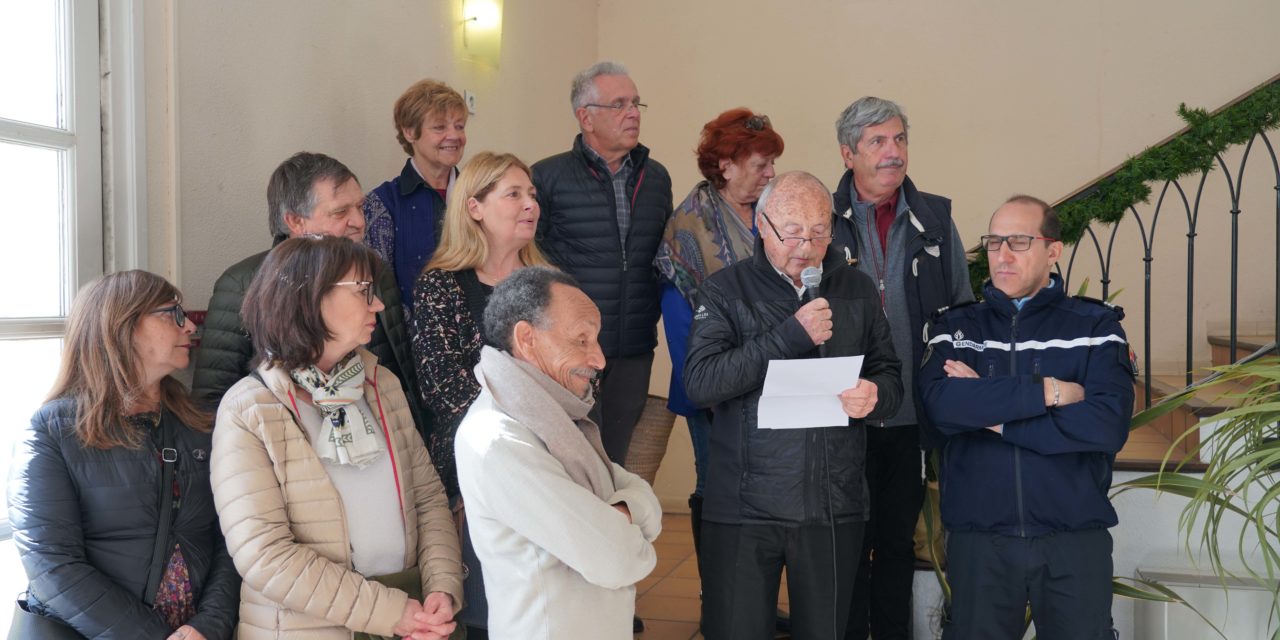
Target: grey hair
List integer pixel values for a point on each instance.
(522, 296)
(867, 111)
(583, 89)
(792, 176)
(292, 187)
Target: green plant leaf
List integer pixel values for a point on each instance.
(1153, 591)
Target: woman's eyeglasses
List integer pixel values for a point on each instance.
(364, 287)
(179, 315)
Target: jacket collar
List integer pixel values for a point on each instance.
(411, 181)
(922, 217)
(1043, 298)
(832, 262)
(638, 155)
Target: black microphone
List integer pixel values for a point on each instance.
(811, 277)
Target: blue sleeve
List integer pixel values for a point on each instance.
(1100, 422)
(958, 405)
(677, 317)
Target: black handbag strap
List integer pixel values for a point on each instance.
(159, 554)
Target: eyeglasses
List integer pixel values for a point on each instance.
(1016, 243)
(794, 241)
(362, 286)
(757, 123)
(620, 106)
(179, 314)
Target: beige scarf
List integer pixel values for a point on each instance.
(553, 413)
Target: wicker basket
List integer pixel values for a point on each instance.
(649, 440)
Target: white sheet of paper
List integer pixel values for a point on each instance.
(801, 394)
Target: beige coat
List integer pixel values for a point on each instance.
(284, 521)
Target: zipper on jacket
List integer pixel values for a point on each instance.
(1017, 451)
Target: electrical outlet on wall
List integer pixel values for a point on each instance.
(470, 99)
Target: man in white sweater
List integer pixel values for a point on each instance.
(562, 533)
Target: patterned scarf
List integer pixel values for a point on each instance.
(553, 413)
(347, 434)
(704, 235)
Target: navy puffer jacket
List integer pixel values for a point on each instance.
(578, 230)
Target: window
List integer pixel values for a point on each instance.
(51, 181)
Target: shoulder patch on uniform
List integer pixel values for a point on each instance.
(940, 312)
(1102, 303)
(1129, 360)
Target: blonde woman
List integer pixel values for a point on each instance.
(488, 233)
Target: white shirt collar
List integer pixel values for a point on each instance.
(799, 288)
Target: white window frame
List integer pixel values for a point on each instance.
(81, 215)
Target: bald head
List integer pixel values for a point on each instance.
(795, 209)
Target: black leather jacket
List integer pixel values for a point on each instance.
(578, 230)
(746, 317)
(84, 522)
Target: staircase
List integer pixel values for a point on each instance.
(1216, 261)
(1148, 445)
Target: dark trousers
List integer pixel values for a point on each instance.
(624, 387)
(743, 570)
(882, 590)
(1065, 576)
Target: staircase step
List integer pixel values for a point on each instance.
(1147, 446)
(1206, 402)
(1220, 346)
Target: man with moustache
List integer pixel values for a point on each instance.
(309, 193)
(1034, 391)
(905, 240)
(785, 498)
(605, 204)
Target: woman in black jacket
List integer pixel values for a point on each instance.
(88, 488)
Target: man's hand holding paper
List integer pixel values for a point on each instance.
(859, 400)
(814, 392)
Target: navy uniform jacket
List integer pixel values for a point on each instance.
(1050, 470)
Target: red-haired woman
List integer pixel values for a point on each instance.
(713, 228)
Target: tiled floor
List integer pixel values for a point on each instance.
(668, 599)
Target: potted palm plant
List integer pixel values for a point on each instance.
(1240, 449)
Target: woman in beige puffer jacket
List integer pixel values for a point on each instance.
(285, 522)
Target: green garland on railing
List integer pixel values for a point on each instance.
(1193, 151)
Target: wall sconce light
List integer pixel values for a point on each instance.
(482, 30)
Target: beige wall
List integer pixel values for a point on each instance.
(237, 86)
(1003, 96)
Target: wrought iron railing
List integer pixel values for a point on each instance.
(1186, 199)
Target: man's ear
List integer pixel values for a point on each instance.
(584, 119)
(522, 336)
(847, 154)
(1055, 251)
(296, 224)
